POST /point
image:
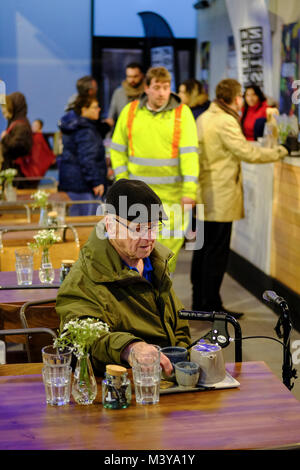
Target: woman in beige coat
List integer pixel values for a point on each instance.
(222, 148)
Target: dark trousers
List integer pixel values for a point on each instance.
(209, 266)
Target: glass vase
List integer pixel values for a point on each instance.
(43, 221)
(46, 271)
(10, 192)
(84, 388)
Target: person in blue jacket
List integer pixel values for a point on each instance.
(82, 165)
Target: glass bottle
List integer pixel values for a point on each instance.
(46, 271)
(10, 192)
(116, 388)
(84, 388)
(52, 220)
(43, 220)
(66, 265)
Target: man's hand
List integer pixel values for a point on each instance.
(187, 203)
(99, 190)
(144, 348)
(109, 121)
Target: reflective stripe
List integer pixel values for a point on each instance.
(118, 147)
(130, 118)
(190, 179)
(187, 149)
(154, 161)
(176, 131)
(120, 169)
(157, 179)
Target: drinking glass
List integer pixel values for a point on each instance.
(146, 373)
(24, 266)
(57, 381)
(54, 357)
(60, 209)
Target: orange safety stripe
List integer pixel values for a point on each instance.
(130, 119)
(177, 131)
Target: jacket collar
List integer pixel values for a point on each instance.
(103, 264)
(174, 102)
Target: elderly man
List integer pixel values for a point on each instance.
(122, 278)
(155, 141)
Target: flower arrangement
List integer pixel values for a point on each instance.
(44, 239)
(8, 175)
(40, 199)
(80, 334)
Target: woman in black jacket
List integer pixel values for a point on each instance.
(82, 166)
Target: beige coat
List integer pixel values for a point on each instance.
(222, 148)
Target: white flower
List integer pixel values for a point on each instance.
(41, 198)
(80, 334)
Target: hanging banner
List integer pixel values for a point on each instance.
(252, 35)
(231, 63)
(289, 67)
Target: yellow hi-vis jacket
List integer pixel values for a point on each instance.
(159, 148)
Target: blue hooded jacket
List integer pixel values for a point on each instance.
(82, 165)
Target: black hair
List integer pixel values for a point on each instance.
(258, 91)
(134, 65)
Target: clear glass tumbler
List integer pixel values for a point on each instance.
(24, 266)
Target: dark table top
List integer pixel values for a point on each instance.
(10, 292)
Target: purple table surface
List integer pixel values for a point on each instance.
(20, 294)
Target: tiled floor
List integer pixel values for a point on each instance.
(258, 320)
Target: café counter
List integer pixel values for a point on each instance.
(268, 237)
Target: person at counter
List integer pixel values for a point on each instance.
(222, 149)
(254, 109)
(122, 278)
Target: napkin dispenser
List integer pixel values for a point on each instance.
(210, 359)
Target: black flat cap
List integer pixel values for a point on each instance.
(134, 200)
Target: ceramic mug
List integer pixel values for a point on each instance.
(187, 373)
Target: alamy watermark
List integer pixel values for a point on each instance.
(2, 92)
(296, 354)
(161, 222)
(296, 94)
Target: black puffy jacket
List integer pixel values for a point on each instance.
(82, 165)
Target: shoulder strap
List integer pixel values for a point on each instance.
(13, 124)
(130, 118)
(176, 131)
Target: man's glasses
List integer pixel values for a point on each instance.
(140, 230)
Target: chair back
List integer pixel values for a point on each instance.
(39, 314)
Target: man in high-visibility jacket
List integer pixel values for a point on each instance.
(155, 141)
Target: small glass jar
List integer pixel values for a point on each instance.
(52, 220)
(116, 388)
(66, 265)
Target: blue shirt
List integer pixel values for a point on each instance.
(148, 268)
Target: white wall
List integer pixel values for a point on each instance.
(45, 46)
(213, 25)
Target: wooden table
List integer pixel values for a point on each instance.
(261, 413)
(21, 294)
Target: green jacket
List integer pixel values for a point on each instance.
(100, 285)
